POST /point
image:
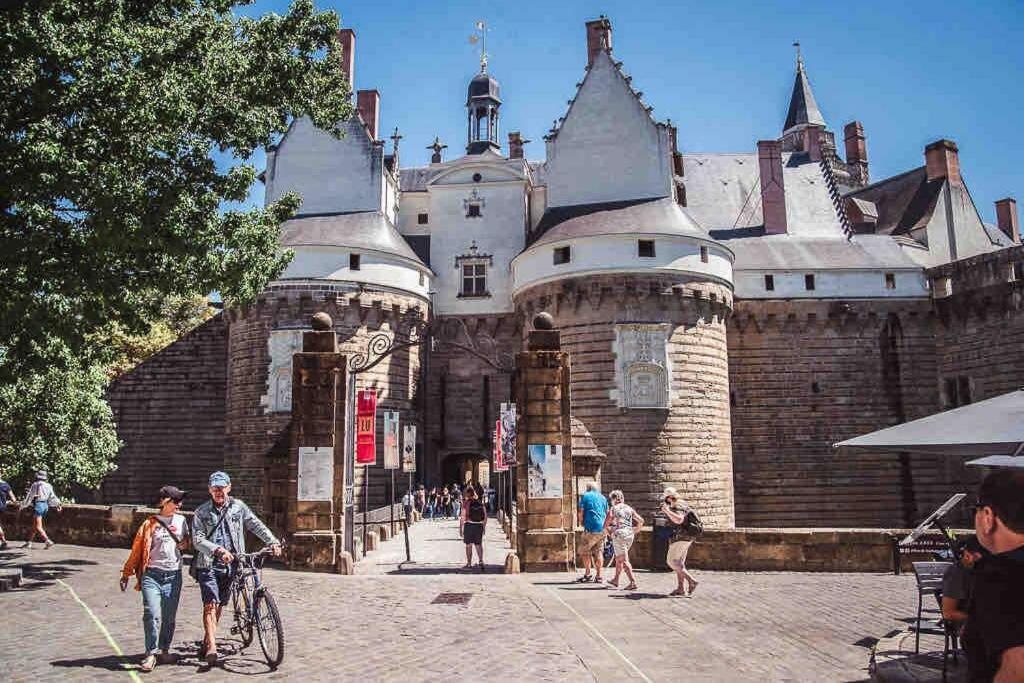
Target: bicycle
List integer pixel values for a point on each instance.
(254, 607)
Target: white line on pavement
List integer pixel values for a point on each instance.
(103, 629)
(600, 635)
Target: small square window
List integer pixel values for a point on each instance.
(890, 280)
(809, 282)
(473, 211)
(561, 255)
(769, 283)
(703, 254)
(422, 219)
(353, 262)
(645, 248)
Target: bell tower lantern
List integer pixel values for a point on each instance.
(482, 103)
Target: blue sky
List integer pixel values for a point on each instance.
(911, 72)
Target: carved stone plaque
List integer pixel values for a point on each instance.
(642, 368)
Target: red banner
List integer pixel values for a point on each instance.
(499, 455)
(366, 432)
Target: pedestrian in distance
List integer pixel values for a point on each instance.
(472, 525)
(432, 503)
(683, 536)
(421, 499)
(408, 500)
(155, 562)
(6, 496)
(591, 515)
(40, 497)
(446, 503)
(456, 501)
(994, 634)
(622, 523)
(218, 534)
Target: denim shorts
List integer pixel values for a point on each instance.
(215, 585)
(41, 507)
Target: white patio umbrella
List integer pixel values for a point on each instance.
(988, 429)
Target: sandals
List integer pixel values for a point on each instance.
(148, 664)
(677, 593)
(584, 579)
(630, 587)
(613, 583)
(693, 587)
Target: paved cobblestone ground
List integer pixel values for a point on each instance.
(381, 625)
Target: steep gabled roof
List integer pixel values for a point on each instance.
(803, 109)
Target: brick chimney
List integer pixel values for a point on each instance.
(856, 151)
(942, 160)
(368, 103)
(347, 38)
(773, 189)
(599, 37)
(1006, 218)
(515, 145)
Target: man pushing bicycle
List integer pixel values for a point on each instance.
(218, 535)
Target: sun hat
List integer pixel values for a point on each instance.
(220, 479)
(41, 475)
(669, 492)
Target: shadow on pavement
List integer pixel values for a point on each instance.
(633, 595)
(108, 662)
(446, 569)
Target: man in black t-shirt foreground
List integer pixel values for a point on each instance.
(995, 624)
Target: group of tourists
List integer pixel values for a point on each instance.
(611, 522)
(39, 499)
(982, 598)
(217, 538)
(443, 502)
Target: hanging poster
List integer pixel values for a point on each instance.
(499, 460)
(508, 434)
(544, 477)
(391, 440)
(316, 473)
(366, 434)
(409, 449)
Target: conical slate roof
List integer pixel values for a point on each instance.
(802, 107)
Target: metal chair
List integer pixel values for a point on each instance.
(929, 582)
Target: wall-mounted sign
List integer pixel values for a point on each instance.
(544, 477)
(366, 433)
(409, 448)
(508, 434)
(316, 473)
(391, 440)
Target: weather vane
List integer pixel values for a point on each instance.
(799, 57)
(480, 36)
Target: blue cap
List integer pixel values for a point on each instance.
(220, 479)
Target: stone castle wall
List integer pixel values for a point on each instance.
(169, 412)
(258, 440)
(687, 444)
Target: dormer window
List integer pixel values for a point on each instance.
(561, 255)
(474, 205)
(645, 248)
(473, 211)
(422, 219)
(890, 280)
(809, 282)
(353, 262)
(769, 283)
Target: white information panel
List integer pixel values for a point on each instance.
(316, 473)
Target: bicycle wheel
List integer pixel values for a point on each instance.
(269, 628)
(243, 617)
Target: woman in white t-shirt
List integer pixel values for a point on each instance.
(155, 561)
(40, 498)
(622, 523)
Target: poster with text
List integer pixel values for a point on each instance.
(366, 421)
(544, 477)
(390, 440)
(409, 449)
(316, 473)
(508, 434)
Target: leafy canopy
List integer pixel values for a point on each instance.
(111, 112)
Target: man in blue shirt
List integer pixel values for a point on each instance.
(591, 515)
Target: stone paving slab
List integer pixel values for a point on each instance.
(382, 624)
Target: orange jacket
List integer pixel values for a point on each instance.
(138, 560)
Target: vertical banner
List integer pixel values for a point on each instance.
(391, 419)
(499, 460)
(366, 433)
(409, 449)
(508, 434)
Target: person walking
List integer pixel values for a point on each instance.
(472, 525)
(6, 496)
(40, 497)
(218, 534)
(408, 501)
(622, 523)
(431, 503)
(155, 562)
(677, 512)
(591, 515)
(456, 501)
(446, 503)
(421, 500)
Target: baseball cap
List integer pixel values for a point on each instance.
(172, 492)
(220, 479)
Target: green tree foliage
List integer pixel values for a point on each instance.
(178, 316)
(111, 112)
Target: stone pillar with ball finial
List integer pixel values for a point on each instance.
(315, 515)
(544, 474)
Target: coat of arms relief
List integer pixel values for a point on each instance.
(642, 369)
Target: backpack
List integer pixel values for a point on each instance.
(692, 525)
(476, 512)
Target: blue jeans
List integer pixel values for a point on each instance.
(457, 508)
(160, 592)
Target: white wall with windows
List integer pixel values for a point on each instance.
(830, 284)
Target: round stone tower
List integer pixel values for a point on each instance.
(640, 294)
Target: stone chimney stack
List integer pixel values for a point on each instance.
(1006, 218)
(773, 188)
(347, 38)
(599, 37)
(368, 103)
(856, 151)
(515, 145)
(942, 160)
